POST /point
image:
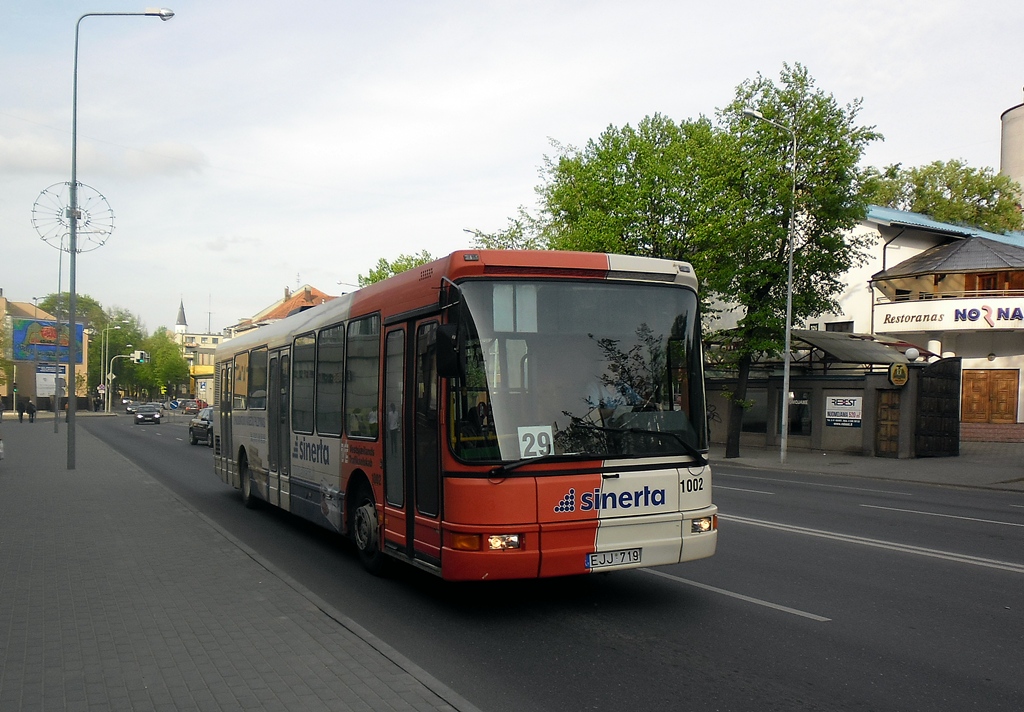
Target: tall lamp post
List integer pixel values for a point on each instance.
(105, 351)
(786, 357)
(110, 369)
(73, 215)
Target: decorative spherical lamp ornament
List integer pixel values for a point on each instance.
(52, 219)
(912, 354)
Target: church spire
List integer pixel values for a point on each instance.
(181, 325)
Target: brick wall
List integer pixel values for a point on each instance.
(991, 433)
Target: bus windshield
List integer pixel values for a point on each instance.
(566, 368)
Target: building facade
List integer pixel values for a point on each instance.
(949, 290)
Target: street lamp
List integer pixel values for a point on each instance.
(110, 369)
(105, 351)
(786, 357)
(73, 215)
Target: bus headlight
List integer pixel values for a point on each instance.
(702, 525)
(496, 542)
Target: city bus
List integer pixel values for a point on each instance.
(489, 415)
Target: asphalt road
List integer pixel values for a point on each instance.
(827, 593)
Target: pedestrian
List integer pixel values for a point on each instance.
(394, 423)
(31, 408)
(21, 411)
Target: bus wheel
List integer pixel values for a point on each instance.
(248, 498)
(365, 531)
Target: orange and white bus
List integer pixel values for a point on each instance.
(489, 415)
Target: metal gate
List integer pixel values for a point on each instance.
(938, 410)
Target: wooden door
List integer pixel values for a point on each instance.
(990, 395)
(1002, 387)
(887, 439)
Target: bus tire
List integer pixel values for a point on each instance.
(365, 530)
(245, 475)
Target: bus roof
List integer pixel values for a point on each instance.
(417, 288)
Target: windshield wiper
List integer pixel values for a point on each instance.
(553, 457)
(690, 449)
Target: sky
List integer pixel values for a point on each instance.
(248, 147)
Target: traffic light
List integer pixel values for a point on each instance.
(140, 356)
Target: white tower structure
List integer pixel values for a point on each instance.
(181, 325)
(1011, 154)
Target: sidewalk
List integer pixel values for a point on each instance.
(998, 466)
(116, 595)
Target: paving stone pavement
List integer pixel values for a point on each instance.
(996, 466)
(116, 595)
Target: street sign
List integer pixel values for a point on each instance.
(101, 388)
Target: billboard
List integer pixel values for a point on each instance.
(38, 340)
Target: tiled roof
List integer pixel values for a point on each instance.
(971, 254)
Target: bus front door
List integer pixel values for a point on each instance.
(279, 435)
(412, 461)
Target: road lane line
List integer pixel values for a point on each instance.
(947, 516)
(719, 473)
(740, 489)
(879, 544)
(740, 596)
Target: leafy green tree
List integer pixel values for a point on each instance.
(630, 191)
(6, 365)
(166, 368)
(131, 334)
(951, 192)
(87, 310)
(720, 196)
(521, 233)
(385, 269)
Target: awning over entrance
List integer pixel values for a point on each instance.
(856, 348)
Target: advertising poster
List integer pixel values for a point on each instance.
(36, 340)
(844, 411)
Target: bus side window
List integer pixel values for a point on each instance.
(258, 379)
(362, 381)
(241, 384)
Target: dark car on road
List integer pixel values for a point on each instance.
(188, 407)
(147, 413)
(201, 427)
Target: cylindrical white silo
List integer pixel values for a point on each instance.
(1011, 153)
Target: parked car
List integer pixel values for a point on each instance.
(201, 427)
(147, 414)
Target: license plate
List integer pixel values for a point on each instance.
(600, 559)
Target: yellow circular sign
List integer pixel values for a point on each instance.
(899, 373)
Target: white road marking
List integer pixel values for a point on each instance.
(719, 473)
(740, 596)
(740, 489)
(879, 544)
(947, 516)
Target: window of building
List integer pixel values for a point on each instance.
(845, 327)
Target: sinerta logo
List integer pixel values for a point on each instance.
(598, 500)
(319, 453)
